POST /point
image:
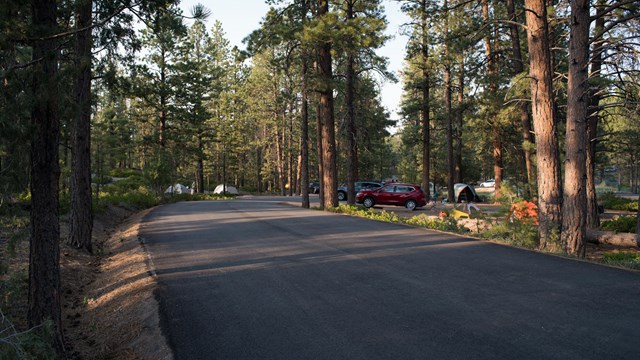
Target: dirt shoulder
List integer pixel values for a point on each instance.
(109, 311)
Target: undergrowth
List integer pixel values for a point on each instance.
(614, 202)
(626, 224)
(444, 223)
(629, 260)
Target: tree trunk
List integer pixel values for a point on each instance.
(574, 206)
(280, 165)
(330, 183)
(545, 125)
(304, 134)
(593, 215)
(493, 88)
(320, 154)
(447, 108)
(460, 121)
(638, 224)
(424, 106)
(81, 217)
(595, 236)
(525, 121)
(44, 253)
(351, 134)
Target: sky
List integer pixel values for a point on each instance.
(240, 17)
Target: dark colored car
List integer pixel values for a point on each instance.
(359, 185)
(407, 195)
(314, 187)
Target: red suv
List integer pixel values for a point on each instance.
(407, 195)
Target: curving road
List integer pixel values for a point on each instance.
(256, 279)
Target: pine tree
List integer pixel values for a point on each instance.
(545, 125)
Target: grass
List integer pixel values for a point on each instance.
(444, 224)
(625, 259)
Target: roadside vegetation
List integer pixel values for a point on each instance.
(515, 223)
(130, 191)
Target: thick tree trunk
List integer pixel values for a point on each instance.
(44, 253)
(81, 217)
(545, 125)
(574, 206)
(330, 183)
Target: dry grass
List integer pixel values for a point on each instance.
(109, 308)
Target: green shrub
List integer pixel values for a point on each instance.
(626, 224)
(515, 232)
(614, 202)
(137, 200)
(446, 223)
(626, 259)
(125, 173)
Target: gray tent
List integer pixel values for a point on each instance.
(465, 193)
(229, 190)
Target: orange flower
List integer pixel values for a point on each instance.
(525, 211)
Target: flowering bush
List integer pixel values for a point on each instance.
(525, 211)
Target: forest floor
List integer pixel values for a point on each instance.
(109, 308)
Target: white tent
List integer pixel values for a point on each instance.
(230, 190)
(178, 189)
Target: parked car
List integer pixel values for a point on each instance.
(488, 183)
(407, 195)
(359, 185)
(314, 187)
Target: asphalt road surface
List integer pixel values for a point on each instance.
(255, 279)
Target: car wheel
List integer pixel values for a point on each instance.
(411, 204)
(342, 196)
(368, 202)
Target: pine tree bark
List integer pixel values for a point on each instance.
(574, 206)
(545, 125)
(81, 214)
(329, 183)
(44, 252)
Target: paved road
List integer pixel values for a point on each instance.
(254, 279)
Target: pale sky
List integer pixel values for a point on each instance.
(240, 17)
